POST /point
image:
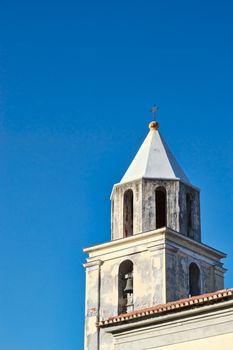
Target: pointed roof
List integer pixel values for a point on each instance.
(154, 160)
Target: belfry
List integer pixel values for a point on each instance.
(155, 261)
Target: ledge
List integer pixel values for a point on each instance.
(143, 238)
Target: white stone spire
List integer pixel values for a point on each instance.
(154, 160)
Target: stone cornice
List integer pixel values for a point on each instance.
(93, 264)
(155, 238)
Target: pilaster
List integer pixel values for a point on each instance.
(92, 304)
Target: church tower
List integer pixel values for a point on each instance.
(156, 254)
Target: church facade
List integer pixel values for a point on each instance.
(155, 285)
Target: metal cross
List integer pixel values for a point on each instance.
(154, 110)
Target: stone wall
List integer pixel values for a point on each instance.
(195, 231)
(117, 217)
(148, 203)
(144, 207)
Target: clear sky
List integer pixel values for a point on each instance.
(77, 81)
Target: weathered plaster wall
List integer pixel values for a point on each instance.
(148, 203)
(218, 277)
(102, 291)
(144, 207)
(117, 217)
(161, 261)
(177, 273)
(147, 280)
(195, 232)
(92, 304)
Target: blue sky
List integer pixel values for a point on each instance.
(77, 81)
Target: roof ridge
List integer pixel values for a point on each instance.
(151, 132)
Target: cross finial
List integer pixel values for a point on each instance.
(154, 125)
(154, 109)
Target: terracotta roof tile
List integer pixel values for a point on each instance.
(177, 305)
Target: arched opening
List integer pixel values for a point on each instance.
(160, 205)
(125, 287)
(194, 280)
(128, 213)
(189, 215)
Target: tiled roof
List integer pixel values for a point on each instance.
(173, 306)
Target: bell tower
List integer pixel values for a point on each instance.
(155, 193)
(156, 254)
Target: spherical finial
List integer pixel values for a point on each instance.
(153, 125)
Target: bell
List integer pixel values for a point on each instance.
(129, 285)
